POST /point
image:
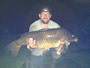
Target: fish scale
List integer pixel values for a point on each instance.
(44, 39)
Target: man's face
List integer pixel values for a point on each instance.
(45, 17)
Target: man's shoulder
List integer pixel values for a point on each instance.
(53, 23)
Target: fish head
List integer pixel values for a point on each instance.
(67, 39)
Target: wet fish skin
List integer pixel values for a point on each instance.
(44, 39)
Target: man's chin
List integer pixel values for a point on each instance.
(45, 22)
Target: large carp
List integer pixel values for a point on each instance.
(44, 39)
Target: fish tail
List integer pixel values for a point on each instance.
(15, 50)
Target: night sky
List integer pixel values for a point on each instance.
(74, 15)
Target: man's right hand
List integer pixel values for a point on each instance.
(31, 43)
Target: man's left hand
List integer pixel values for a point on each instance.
(61, 47)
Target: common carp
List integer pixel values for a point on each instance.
(47, 38)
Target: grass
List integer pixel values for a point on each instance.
(79, 53)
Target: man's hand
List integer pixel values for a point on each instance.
(31, 43)
(61, 47)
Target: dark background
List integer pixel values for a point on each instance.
(73, 15)
(16, 15)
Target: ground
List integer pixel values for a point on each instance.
(77, 55)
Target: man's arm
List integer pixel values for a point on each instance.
(32, 28)
(31, 42)
(62, 48)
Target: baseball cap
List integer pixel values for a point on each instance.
(45, 9)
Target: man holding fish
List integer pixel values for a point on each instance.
(38, 54)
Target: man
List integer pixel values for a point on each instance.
(37, 54)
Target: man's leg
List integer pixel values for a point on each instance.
(56, 56)
(36, 61)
